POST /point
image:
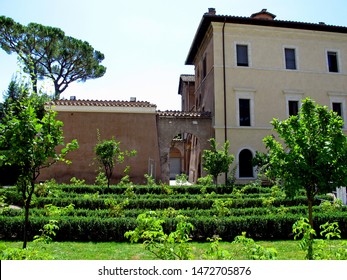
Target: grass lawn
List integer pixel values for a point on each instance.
(287, 250)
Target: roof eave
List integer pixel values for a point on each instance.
(207, 19)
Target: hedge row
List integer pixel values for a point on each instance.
(105, 213)
(266, 227)
(147, 189)
(162, 203)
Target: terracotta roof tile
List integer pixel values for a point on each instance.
(180, 114)
(102, 103)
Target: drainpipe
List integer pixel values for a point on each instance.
(224, 92)
(224, 86)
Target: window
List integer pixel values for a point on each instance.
(338, 104)
(242, 55)
(332, 59)
(245, 164)
(293, 99)
(290, 60)
(244, 112)
(204, 68)
(293, 107)
(244, 107)
(337, 107)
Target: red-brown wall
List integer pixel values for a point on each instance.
(136, 131)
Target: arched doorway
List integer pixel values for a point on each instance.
(245, 164)
(194, 129)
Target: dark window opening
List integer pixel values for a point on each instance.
(245, 164)
(244, 112)
(337, 107)
(242, 55)
(332, 62)
(293, 107)
(204, 68)
(290, 58)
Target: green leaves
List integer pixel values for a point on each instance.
(108, 153)
(47, 52)
(216, 161)
(314, 154)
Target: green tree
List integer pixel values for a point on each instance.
(108, 154)
(30, 143)
(313, 155)
(216, 161)
(47, 52)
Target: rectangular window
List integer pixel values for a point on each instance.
(337, 107)
(244, 112)
(289, 55)
(204, 68)
(332, 61)
(293, 107)
(242, 55)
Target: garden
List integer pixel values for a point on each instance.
(164, 218)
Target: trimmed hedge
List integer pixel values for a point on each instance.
(171, 201)
(265, 227)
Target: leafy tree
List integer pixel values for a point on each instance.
(30, 143)
(216, 161)
(47, 52)
(108, 154)
(314, 154)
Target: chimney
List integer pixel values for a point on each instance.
(263, 14)
(211, 11)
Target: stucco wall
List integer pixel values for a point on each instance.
(266, 81)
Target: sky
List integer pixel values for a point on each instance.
(145, 43)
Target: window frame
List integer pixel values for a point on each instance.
(338, 62)
(339, 98)
(248, 45)
(245, 94)
(293, 95)
(296, 60)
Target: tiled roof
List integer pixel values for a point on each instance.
(102, 103)
(208, 18)
(180, 114)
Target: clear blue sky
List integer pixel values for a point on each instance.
(145, 42)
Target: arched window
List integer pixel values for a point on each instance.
(245, 164)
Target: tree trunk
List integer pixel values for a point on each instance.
(26, 224)
(26, 219)
(310, 199)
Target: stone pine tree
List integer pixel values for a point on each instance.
(46, 52)
(311, 155)
(31, 143)
(217, 161)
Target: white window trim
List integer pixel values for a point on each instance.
(296, 57)
(255, 175)
(339, 64)
(245, 93)
(292, 95)
(249, 50)
(339, 98)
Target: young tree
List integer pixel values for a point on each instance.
(216, 161)
(30, 143)
(314, 154)
(47, 52)
(108, 154)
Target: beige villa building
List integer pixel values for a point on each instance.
(249, 70)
